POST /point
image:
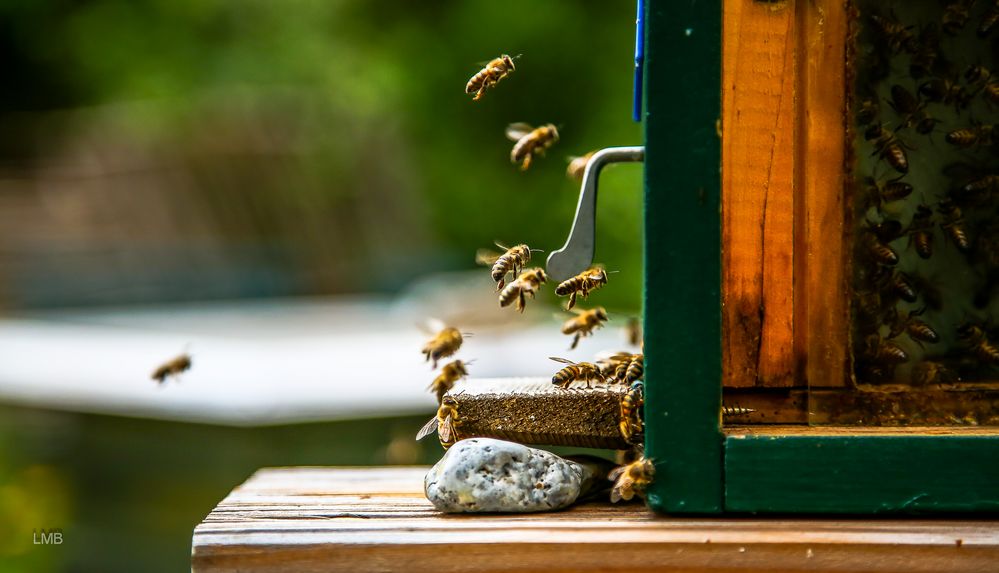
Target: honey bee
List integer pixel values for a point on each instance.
(880, 252)
(614, 367)
(584, 323)
(450, 374)
(445, 343)
(527, 283)
(885, 351)
(633, 332)
(985, 186)
(868, 111)
(632, 479)
(445, 423)
(973, 136)
(576, 371)
(927, 52)
(912, 112)
(577, 166)
(953, 224)
(636, 369)
(991, 91)
(489, 76)
(955, 15)
(895, 35)
(988, 20)
(929, 372)
(918, 330)
(631, 424)
(173, 367)
(888, 147)
(977, 75)
(979, 344)
(589, 280)
(512, 260)
(531, 141)
(921, 231)
(946, 91)
(880, 193)
(902, 287)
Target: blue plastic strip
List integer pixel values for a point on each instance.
(636, 112)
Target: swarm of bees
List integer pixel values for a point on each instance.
(927, 193)
(584, 323)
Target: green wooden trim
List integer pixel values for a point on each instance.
(683, 255)
(862, 474)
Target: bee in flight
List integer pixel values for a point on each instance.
(445, 422)
(577, 166)
(581, 371)
(512, 260)
(527, 283)
(530, 141)
(631, 424)
(450, 374)
(445, 343)
(631, 479)
(172, 367)
(633, 332)
(589, 280)
(584, 323)
(490, 75)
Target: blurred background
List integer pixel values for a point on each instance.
(286, 190)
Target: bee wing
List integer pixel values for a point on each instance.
(562, 360)
(432, 326)
(427, 428)
(446, 430)
(515, 131)
(486, 257)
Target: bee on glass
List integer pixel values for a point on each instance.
(945, 91)
(527, 283)
(953, 224)
(577, 166)
(885, 351)
(489, 76)
(888, 147)
(892, 34)
(955, 16)
(584, 323)
(632, 479)
(912, 112)
(576, 371)
(173, 367)
(978, 343)
(917, 329)
(881, 193)
(868, 111)
(445, 423)
(582, 284)
(921, 231)
(445, 381)
(511, 261)
(926, 55)
(445, 343)
(989, 20)
(973, 136)
(530, 141)
(930, 372)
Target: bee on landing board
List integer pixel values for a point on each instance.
(445, 343)
(490, 75)
(613, 367)
(512, 260)
(577, 166)
(584, 323)
(589, 280)
(632, 479)
(631, 424)
(450, 374)
(531, 141)
(576, 371)
(445, 423)
(172, 367)
(527, 283)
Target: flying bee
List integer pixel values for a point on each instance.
(589, 280)
(531, 141)
(912, 112)
(978, 343)
(973, 136)
(917, 329)
(885, 351)
(895, 35)
(946, 91)
(632, 479)
(929, 372)
(577, 166)
(953, 224)
(450, 374)
(888, 147)
(956, 15)
(921, 231)
(512, 260)
(631, 424)
(445, 423)
(633, 332)
(489, 76)
(173, 367)
(989, 20)
(527, 283)
(576, 371)
(584, 323)
(880, 193)
(445, 343)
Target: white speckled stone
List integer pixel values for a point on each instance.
(486, 475)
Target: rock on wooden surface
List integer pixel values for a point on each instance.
(377, 519)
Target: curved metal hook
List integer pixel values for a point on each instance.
(577, 254)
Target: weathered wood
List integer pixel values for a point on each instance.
(326, 519)
(758, 144)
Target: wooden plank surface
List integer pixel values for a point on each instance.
(376, 519)
(758, 121)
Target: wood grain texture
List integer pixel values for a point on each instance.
(759, 71)
(376, 519)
